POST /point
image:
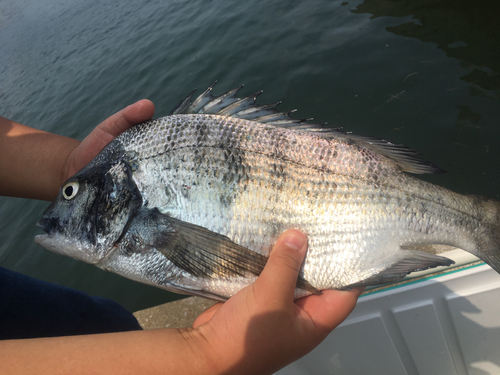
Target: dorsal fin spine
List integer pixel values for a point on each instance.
(201, 100)
(228, 104)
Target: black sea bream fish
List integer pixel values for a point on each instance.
(193, 203)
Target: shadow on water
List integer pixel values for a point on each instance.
(464, 30)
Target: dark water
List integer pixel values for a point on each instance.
(421, 73)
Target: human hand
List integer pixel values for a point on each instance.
(39, 162)
(104, 133)
(262, 329)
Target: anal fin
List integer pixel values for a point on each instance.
(412, 262)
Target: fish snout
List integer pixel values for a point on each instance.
(49, 225)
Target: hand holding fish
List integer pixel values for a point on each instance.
(38, 162)
(261, 329)
(104, 133)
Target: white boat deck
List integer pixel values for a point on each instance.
(441, 324)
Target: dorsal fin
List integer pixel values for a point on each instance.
(407, 159)
(229, 104)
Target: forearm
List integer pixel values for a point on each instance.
(163, 351)
(31, 161)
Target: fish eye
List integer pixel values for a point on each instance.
(70, 189)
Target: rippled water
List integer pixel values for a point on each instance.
(421, 73)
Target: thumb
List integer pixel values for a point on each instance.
(105, 132)
(278, 280)
(134, 114)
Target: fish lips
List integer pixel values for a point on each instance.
(55, 241)
(48, 226)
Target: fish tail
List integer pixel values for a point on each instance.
(488, 237)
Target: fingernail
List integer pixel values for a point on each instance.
(295, 241)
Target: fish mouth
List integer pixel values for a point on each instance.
(42, 224)
(50, 242)
(48, 225)
(58, 243)
(39, 239)
(51, 239)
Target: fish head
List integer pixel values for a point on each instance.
(91, 213)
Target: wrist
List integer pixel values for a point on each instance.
(201, 348)
(60, 162)
(69, 161)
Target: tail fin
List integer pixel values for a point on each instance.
(488, 237)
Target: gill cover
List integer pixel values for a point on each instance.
(117, 202)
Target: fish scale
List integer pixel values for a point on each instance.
(211, 193)
(265, 199)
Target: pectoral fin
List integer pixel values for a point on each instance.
(207, 254)
(412, 262)
(204, 253)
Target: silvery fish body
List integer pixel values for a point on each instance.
(193, 203)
